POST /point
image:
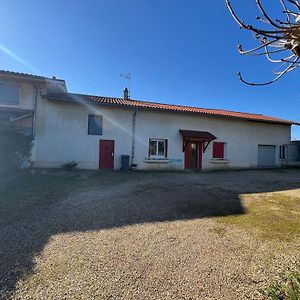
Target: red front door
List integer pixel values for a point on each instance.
(193, 155)
(106, 154)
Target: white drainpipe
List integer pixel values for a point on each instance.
(34, 110)
(133, 137)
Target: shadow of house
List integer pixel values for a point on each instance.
(41, 206)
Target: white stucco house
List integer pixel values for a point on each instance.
(96, 131)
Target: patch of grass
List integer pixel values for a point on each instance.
(273, 216)
(220, 231)
(289, 290)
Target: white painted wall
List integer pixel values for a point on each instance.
(62, 136)
(241, 137)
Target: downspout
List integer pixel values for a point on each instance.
(34, 110)
(133, 137)
(34, 121)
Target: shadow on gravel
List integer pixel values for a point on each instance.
(35, 207)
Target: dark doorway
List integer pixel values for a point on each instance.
(106, 154)
(193, 155)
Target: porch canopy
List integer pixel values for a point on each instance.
(196, 136)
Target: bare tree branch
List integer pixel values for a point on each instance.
(279, 38)
(270, 21)
(240, 49)
(289, 68)
(285, 11)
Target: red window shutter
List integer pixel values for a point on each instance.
(218, 150)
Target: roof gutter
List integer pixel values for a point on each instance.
(42, 79)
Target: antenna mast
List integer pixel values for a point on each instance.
(128, 77)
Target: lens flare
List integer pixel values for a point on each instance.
(17, 58)
(105, 116)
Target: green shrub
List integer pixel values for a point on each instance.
(289, 290)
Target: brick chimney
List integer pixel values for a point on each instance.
(126, 94)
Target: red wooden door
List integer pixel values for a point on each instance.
(106, 154)
(193, 155)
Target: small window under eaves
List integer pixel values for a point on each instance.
(9, 95)
(95, 125)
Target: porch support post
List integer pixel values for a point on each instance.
(206, 145)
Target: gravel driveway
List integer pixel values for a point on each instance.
(112, 235)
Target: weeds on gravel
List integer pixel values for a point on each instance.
(290, 290)
(220, 231)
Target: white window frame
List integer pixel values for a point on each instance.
(7, 104)
(156, 155)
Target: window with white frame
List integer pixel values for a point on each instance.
(9, 95)
(158, 148)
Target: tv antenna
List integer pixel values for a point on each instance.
(128, 77)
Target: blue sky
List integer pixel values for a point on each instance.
(179, 52)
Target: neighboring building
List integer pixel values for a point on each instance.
(95, 131)
(290, 154)
(19, 95)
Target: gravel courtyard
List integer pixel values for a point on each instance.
(147, 235)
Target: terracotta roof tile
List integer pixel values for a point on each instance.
(166, 107)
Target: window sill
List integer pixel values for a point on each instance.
(157, 160)
(10, 105)
(219, 161)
